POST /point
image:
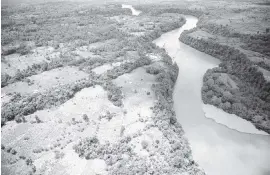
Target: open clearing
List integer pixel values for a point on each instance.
(93, 88)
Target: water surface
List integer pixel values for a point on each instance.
(230, 120)
(218, 149)
(134, 11)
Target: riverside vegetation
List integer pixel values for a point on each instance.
(241, 84)
(66, 36)
(87, 125)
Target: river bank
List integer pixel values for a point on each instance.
(238, 34)
(240, 85)
(142, 114)
(217, 148)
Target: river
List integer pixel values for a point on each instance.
(134, 11)
(214, 136)
(217, 148)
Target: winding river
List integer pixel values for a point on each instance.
(217, 148)
(214, 136)
(134, 11)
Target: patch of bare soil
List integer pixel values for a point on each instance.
(101, 100)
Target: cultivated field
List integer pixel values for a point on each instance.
(85, 91)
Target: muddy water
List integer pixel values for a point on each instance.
(218, 149)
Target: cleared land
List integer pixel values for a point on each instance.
(85, 91)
